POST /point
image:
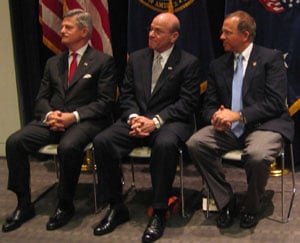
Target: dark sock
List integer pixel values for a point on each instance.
(65, 204)
(160, 212)
(24, 201)
(117, 205)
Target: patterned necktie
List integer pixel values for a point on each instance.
(73, 67)
(156, 70)
(236, 102)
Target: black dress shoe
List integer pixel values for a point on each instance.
(248, 220)
(155, 229)
(18, 217)
(60, 218)
(114, 217)
(227, 214)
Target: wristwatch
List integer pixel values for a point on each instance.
(242, 117)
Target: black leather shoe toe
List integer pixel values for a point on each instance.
(155, 229)
(248, 220)
(112, 219)
(227, 214)
(60, 218)
(18, 217)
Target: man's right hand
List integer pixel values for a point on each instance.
(55, 121)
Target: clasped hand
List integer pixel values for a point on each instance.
(223, 118)
(141, 126)
(59, 121)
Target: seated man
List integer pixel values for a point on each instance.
(245, 103)
(69, 111)
(157, 113)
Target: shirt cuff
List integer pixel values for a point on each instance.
(161, 121)
(45, 119)
(130, 117)
(76, 114)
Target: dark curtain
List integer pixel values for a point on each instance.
(29, 54)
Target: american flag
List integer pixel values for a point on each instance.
(51, 14)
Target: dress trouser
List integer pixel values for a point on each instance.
(115, 143)
(28, 140)
(260, 148)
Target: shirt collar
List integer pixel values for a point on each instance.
(80, 51)
(246, 52)
(165, 55)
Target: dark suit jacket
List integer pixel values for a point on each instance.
(91, 92)
(175, 95)
(264, 90)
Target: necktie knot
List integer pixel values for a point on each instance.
(74, 55)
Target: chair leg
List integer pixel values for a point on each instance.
(95, 181)
(207, 202)
(181, 184)
(293, 191)
(293, 179)
(132, 172)
(282, 188)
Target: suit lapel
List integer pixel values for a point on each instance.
(147, 62)
(251, 69)
(62, 66)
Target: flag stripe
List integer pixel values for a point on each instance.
(52, 37)
(103, 13)
(51, 14)
(96, 40)
(55, 7)
(72, 4)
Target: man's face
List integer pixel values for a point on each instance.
(160, 36)
(233, 40)
(71, 35)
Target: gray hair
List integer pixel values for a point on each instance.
(83, 19)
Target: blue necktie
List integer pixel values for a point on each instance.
(236, 102)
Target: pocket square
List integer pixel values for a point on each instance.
(87, 75)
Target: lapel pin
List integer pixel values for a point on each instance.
(253, 64)
(85, 64)
(170, 68)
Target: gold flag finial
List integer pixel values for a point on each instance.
(170, 7)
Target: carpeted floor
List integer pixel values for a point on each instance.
(194, 228)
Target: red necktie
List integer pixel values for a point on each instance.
(73, 67)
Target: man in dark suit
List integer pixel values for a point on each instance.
(68, 112)
(256, 120)
(157, 113)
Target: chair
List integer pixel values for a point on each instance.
(235, 155)
(51, 149)
(145, 152)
